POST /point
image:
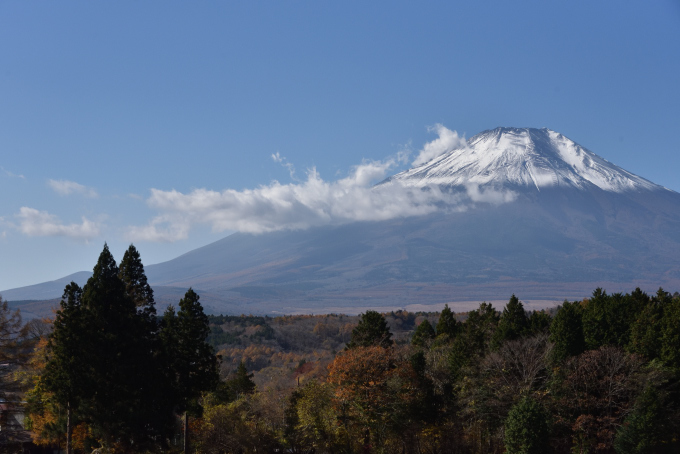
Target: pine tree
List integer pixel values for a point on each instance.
(447, 324)
(190, 359)
(526, 428)
(512, 324)
(242, 382)
(566, 332)
(67, 374)
(136, 285)
(118, 356)
(646, 429)
(423, 334)
(371, 330)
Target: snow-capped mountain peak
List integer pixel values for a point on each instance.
(531, 157)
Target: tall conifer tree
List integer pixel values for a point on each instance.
(512, 324)
(447, 324)
(190, 359)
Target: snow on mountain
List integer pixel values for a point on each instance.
(530, 157)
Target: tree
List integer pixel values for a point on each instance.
(191, 360)
(103, 358)
(447, 324)
(241, 383)
(371, 330)
(423, 334)
(119, 354)
(526, 428)
(566, 332)
(13, 355)
(136, 285)
(539, 322)
(513, 322)
(645, 429)
(670, 331)
(67, 373)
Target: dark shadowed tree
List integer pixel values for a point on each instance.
(447, 324)
(190, 359)
(423, 334)
(539, 322)
(566, 332)
(526, 428)
(371, 330)
(136, 285)
(512, 324)
(67, 370)
(645, 430)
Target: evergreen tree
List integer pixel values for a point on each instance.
(645, 430)
(242, 383)
(479, 329)
(447, 324)
(190, 359)
(119, 354)
(670, 331)
(371, 330)
(67, 373)
(607, 319)
(526, 428)
(513, 323)
(539, 322)
(646, 332)
(566, 332)
(136, 285)
(423, 334)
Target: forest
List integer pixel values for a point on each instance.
(108, 374)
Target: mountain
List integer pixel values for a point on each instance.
(525, 157)
(527, 211)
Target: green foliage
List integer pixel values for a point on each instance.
(423, 334)
(566, 332)
(190, 359)
(526, 428)
(670, 330)
(447, 324)
(108, 363)
(513, 323)
(646, 332)
(371, 330)
(539, 322)
(137, 288)
(607, 319)
(241, 383)
(645, 429)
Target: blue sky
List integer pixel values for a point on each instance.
(131, 121)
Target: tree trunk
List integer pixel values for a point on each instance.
(69, 428)
(186, 432)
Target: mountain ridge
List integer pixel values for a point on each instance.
(546, 243)
(522, 157)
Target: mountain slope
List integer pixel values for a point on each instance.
(538, 158)
(574, 222)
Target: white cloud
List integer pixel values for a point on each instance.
(10, 174)
(277, 206)
(65, 187)
(447, 141)
(164, 229)
(282, 160)
(312, 202)
(40, 223)
(489, 195)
